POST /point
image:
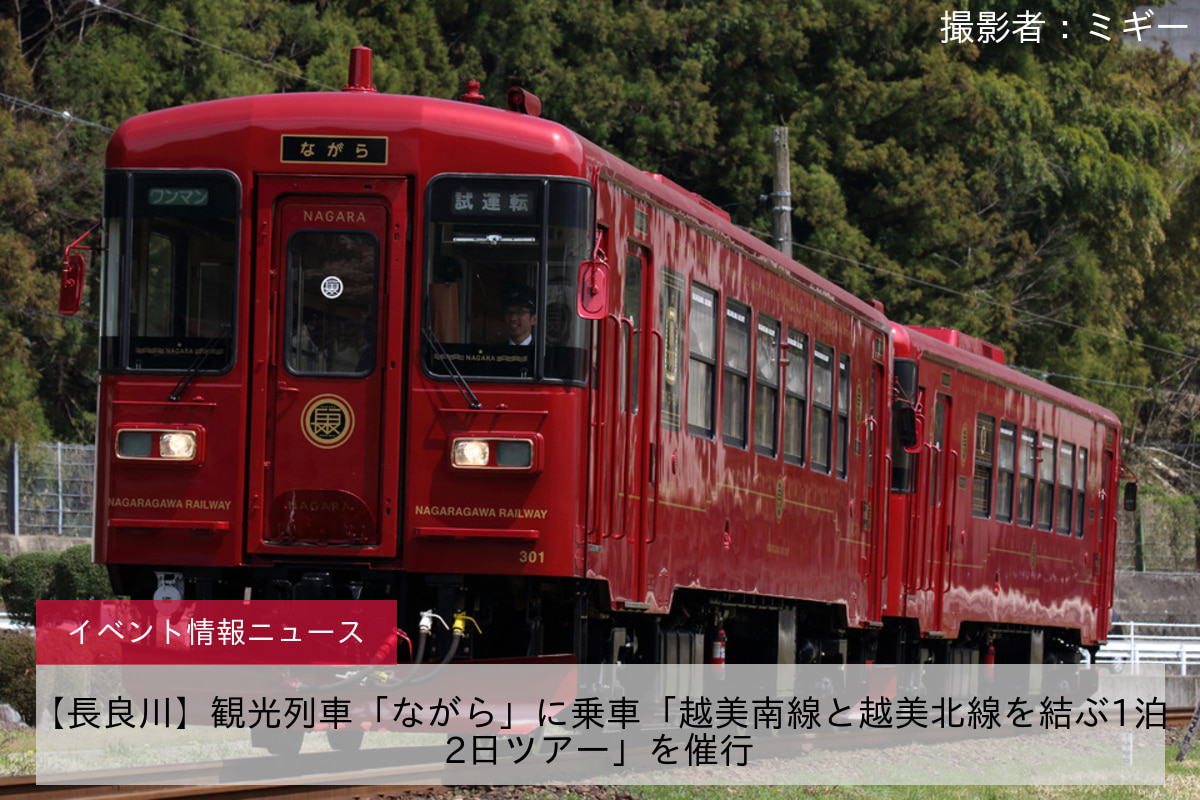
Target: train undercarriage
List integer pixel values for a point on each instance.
(544, 616)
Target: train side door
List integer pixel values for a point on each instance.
(873, 558)
(325, 433)
(935, 537)
(1105, 531)
(633, 519)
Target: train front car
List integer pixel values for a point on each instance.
(367, 346)
(340, 347)
(1003, 514)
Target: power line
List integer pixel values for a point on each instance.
(63, 115)
(1043, 375)
(998, 304)
(200, 41)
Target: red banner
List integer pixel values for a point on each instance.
(218, 632)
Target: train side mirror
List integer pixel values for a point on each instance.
(70, 290)
(908, 427)
(1130, 497)
(593, 289)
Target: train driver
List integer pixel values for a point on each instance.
(520, 315)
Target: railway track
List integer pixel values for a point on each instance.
(421, 780)
(26, 786)
(1177, 717)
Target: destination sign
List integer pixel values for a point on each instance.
(304, 149)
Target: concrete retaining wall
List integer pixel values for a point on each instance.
(1167, 597)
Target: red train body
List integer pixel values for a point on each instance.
(309, 390)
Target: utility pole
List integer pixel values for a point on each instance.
(781, 207)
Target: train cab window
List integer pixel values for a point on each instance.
(332, 333)
(843, 413)
(737, 373)
(1080, 491)
(985, 455)
(1066, 488)
(766, 388)
(1006, 467)
(822, 411)
(795, 404)
(1046, 473)
(169, 301)
(1025, 486)
(702, 362)
(502, 262)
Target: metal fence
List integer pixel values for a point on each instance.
(48, 490)
(1173, 644)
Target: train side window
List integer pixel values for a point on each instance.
(1025, 491)
(1006, 467)
(795, 404)
(737, 372)
(1066, 487)
(1045, 500)
(702, 362)
(1080, 491)
(766, 388)
(843, 415)
(985, 460)
(822, 412)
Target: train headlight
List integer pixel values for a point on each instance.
(152, 445)
(471, 453)
(177, 445)
(499, 453)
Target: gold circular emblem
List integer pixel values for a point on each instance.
(327, 421)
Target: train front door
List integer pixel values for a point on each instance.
(330, 247)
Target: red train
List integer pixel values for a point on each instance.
(361, 345)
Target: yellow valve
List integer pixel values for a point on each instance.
(460, 624)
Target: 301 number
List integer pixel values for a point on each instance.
(533, 557)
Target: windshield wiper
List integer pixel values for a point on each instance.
(177, 393)
(455, 375)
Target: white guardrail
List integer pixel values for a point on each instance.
(1154, 643)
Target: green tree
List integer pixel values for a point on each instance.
(25, 291)
(30, 577)
(1038, 195)
(76, 577)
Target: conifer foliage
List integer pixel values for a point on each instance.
(1040, 194)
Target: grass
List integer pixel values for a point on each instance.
(16, 752)
(1182, 781)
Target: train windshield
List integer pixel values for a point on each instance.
(502, 262)
(170, 286)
